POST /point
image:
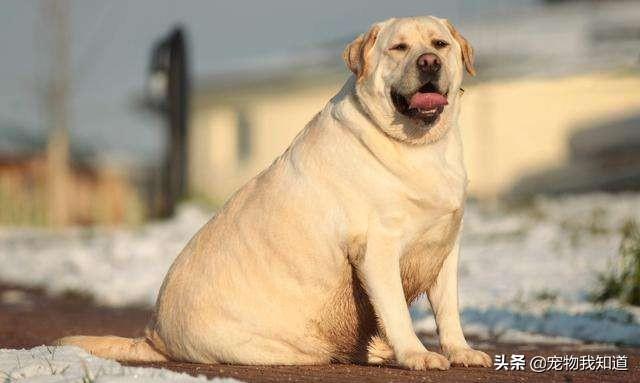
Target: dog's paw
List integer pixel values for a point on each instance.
(469, 357)
(379, 351)
(424, 360)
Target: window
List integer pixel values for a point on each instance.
(244, 141)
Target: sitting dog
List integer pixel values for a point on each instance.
(317, 258)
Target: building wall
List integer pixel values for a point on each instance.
(514, 128)
(216, 168)
(510, 128)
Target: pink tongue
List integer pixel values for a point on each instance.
(427, 101)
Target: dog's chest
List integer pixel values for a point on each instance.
(432, 205)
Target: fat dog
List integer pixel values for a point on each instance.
(316, 259)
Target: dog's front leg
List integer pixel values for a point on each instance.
(443, 296)
(379, 271)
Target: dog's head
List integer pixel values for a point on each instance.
(408, 75)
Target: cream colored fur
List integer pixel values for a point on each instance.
(316, 259)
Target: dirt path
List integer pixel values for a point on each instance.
(29, 318)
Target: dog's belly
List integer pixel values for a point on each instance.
(348, 321)
(423, 259)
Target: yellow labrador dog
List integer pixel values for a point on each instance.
(316, 259)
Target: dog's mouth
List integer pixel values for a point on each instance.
(426, 104)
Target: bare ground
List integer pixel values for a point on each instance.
(29, 318)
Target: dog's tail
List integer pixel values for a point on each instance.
(115, 347)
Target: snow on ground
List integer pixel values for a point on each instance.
(525, 273)
(530, 270)
(71, 364)
(117, 266)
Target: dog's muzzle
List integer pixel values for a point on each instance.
(426, 104)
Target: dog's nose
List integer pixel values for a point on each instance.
(429, 63)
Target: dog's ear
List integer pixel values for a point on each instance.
(355, 54)
(467, 49)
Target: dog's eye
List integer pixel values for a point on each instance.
(399, 47)
(440, 43)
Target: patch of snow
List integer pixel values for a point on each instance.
(524, 272)
(531, 270)
(117, 267)
(71, 364)
(594, 326)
